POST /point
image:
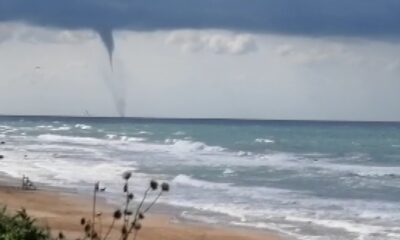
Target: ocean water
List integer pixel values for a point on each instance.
(307, 180)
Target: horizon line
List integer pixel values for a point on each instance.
(201, 119)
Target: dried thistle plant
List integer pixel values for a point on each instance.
(129, 216)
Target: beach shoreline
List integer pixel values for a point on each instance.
(62, 209)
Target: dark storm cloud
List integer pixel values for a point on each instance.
(364, 18)
(375, 18)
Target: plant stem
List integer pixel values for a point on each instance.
(109, 229)
(126, 217)
(94, 209)
(152, 203)
(141, 203)
(138, 211)
(135, 234)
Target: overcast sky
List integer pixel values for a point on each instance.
(264, 59)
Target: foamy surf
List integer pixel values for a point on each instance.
(263, 140)
(299, 182)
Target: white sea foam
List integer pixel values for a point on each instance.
(4, 129)
(264, 140)
(286, 219)
(259, 203)
(260, 193)
(301, 163)
(69, 139)
(132, 139)
(227, 208)
(357, 169)
(187, 180)
(228, 171)
(172, 146)
(58, 171)
(280, 228)
(63, 128)
(220, 156)
(44, 126)
(111, 136)
(144, 133)
(350, 226)
(57, 147)
(83, 126)
(185, 146)
(179, 133)
(243, 153)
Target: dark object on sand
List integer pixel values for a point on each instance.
(2, 142)
(27, 184)
(1, 156)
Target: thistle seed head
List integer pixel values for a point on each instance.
(141, 215)
(137, 226)
(128, 213)
(117, 214)
(165, 187)
(153, 185)
(126, 175)
(87, 227)
(130, 196)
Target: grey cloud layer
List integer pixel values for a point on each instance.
(376, 18)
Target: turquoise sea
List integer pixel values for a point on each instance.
(307, 180)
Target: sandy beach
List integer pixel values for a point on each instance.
(62, 212)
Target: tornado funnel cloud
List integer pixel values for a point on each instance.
(107, 38)
(115, 82)
(120, 105)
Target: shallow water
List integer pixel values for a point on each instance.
(310, 180)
